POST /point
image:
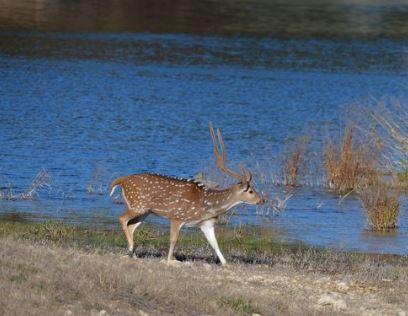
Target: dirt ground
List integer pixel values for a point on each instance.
(45, 279)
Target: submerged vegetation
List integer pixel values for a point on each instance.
(98, 183)
(41, 181)
(350, 165)
(294, 161)
(381, 207)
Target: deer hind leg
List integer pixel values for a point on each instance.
(132, 224)
(174, 232)
(207, 228)
(129, 221)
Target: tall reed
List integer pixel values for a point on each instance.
(350, 164)
(294, 159)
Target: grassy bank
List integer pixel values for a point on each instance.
(55, 269)
(244, 245)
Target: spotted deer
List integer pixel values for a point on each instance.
(183, 201)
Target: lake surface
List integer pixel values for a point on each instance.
(96, 99)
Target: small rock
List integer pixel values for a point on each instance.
(207, 266)
(256, 278)
(143, 313)
(340, 305)
(174, 263)
(337, 303)
(401, 313)
(342, 286)
(323, 280)
(68, 312)
(256, 314)
(102, 312)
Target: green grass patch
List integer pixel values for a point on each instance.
(239, 305)
(245, 240)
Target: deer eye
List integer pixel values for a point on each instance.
(250, 191)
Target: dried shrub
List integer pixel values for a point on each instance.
(400, 179)
(41, 180)
(380, 206)
(391, 118)
(349, 164)
(98, 184)
(293, 161)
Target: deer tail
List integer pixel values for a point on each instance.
(115, 183)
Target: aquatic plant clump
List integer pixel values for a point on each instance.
(98, 183)
(349, 166)
(294, 160)
(41, 181)
(380, 206)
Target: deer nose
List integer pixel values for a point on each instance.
(262, 201)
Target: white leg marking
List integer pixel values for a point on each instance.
(208, 229)
(181, 225)
(133, 227)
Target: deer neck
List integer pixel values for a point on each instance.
(220, 201)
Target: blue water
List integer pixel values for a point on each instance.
(117, 104)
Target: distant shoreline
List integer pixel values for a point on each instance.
(295, 19)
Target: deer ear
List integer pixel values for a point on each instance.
(247, 175)
(244, 186)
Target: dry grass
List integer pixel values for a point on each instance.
(52, 281)
(392, 119)
(388, 121)
(46, 280)
(41, 181)
(351, 164)
(293, 161)
(42, 278)
(98, 184)
(255, 246)
(400, 179)
(380, 206)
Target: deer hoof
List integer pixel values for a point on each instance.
(174, 263)
(130, 255)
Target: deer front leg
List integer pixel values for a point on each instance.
(175, 226)
(207, 228)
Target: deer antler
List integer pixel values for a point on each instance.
(246, 177)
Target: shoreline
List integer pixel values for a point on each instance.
(246, 236)
(52, 268)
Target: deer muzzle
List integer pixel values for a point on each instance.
(262, 201)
